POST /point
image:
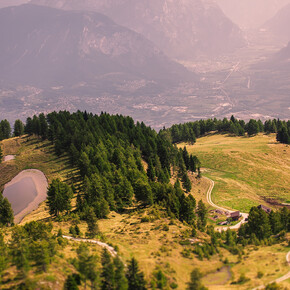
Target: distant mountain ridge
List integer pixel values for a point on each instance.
(47, 46)
(279, 25)
(183, 29)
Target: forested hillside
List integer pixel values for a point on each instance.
(129, 190)
(110, 152)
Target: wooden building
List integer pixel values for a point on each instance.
(235, 215)
(264, 208)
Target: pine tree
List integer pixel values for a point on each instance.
(20, 250)
(93, 228)
(108, 273)
(40, 254)
(258, 223)
(6, 212)
(3, 256)
(252, 127)
(121, 281)
(195, 281)
(71, 283)
(202, 213)
(59, 197)
(5, 129)
(135, 278)
(87, 265)
(18, 128)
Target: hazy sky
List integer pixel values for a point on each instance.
(251, 13)
(246, 13)
(5, 3)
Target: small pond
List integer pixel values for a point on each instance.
(20, 194)
(25, 192)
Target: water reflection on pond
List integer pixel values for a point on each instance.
(20, 194)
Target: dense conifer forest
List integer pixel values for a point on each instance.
(111, 153)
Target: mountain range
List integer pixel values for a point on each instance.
(183, 29)
(45, 46)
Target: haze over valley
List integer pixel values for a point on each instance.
(144, 144)
(159, 61)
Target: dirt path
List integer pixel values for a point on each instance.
(237, 226)
(281, 279)
(110, 249)
(209, 200)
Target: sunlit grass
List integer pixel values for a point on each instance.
(246, 171)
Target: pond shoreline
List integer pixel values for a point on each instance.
(41, 185)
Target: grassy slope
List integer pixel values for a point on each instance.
(246, 171)
(148, 242)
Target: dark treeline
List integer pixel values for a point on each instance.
(188, 132)
(262, 226)
(109, 152)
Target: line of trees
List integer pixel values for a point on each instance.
(188, 132)
(6, 131)
(261, 226)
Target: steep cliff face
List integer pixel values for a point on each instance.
(183, 29)
(45, 45)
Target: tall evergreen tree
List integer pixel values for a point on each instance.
(108, 273)
(87, 265)
(258, 224)
(195, 281)
(5, 129)
(19, 248)
(6, 212)
(135, 277)
(59, 197)
(92, 222)
(202, 213)
(18, 128)
(121, 281)
(3, 256)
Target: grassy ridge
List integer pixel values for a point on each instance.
(246, 171)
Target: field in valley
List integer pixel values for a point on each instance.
(246, 171)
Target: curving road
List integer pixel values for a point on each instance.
(209, 200)
(237, 226)
(281, 279)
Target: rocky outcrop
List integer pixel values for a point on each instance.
(45, 46)
(183, 29)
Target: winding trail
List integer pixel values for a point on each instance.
(110, 249)
(237, 226)
(209, 200)
(281, 279)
